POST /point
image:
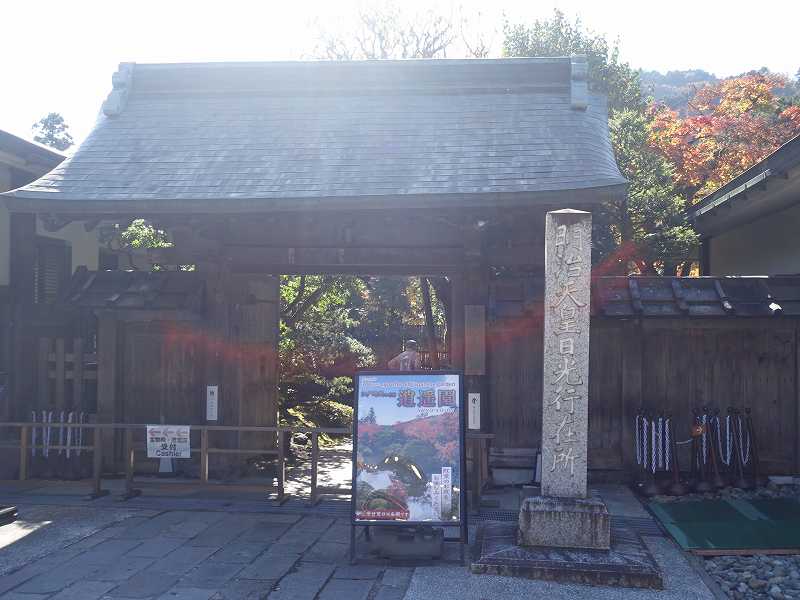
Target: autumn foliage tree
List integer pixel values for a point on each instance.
(728, 127)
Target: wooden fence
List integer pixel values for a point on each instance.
(663, 366)
(65, 375)
(25, 446)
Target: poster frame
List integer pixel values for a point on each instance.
(461, 524)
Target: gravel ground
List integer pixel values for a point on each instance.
(770, 491)
(758, 576)
(744, 577)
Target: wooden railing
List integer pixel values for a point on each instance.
(131, 447)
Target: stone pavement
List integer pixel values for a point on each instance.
(199, 555)
(153, 548)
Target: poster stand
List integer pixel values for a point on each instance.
(390, 392)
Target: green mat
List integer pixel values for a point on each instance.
(770, 524)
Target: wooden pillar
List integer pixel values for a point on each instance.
(22, 376)
(457, 321)
(254, 330)
(107, 371)
(631, 397)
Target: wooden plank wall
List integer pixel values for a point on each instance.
(161, 376)
(662, 365)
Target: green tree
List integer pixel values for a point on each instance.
(51, 130)
(558, 36)
(645, 232)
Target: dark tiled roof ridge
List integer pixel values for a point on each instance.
(708, 296)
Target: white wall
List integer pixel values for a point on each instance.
(85, 248)
(769, 246)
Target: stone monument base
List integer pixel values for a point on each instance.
(628, 563)
(564, 523)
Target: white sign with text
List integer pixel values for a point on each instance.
(168, 441)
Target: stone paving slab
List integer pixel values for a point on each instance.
(182, 559)
(337, 533)
(85, 590)
(385, 592)
(264, 532)
(58, 578)
(145, 584)
(187, 594)
(243, 589)
(304, 583)
(313, 524)
(108, 551)
(328, 552)
(241, 552)
(156, 547)
(17, 596)
(398, 577)
(269, 567)
(210, 574)
(359, 572)
(122, 570)
(339, 589)
(222, 532)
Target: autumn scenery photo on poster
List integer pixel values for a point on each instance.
(408, 447)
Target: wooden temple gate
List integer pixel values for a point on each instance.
(426, 168)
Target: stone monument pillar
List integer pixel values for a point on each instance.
(563, 516)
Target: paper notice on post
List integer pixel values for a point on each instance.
(168, 441)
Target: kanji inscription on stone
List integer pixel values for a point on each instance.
(568, 260)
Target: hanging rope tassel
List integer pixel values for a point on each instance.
(33, 434)
(667, 444)
(638, 441)
(61, 433)
(70, 417)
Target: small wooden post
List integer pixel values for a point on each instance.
(77, 374)
(281, 467)
(130, 492)
(204, 455)
(314, 466)
(43, 373)
(23, 452)
(60, 374)
(97, 464)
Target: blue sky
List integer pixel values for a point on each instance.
(59, 56)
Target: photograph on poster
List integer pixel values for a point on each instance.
(408, 447)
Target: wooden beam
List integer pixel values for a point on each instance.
(429, 324)
(457, 324)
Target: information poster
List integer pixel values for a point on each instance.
(168, 441)
(408, 447)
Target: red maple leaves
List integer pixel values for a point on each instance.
(729, 126)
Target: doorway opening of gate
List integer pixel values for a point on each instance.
(333, 325)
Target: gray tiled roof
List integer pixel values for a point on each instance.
(267, 131)
(696, 296)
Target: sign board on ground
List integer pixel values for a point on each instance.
(168, 441)
(408, 450)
